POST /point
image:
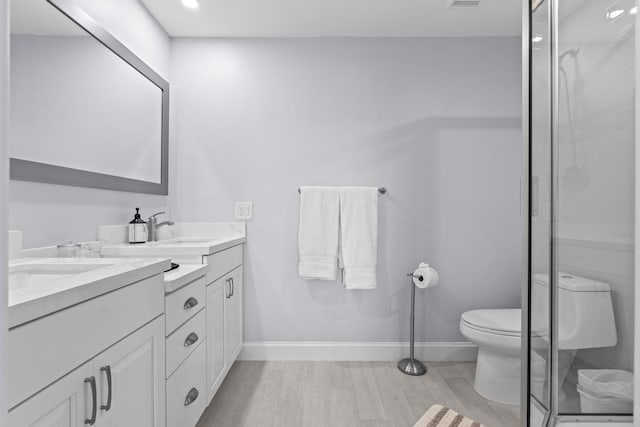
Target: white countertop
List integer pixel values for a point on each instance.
(175, 247)
(32, 300)
(178, 277)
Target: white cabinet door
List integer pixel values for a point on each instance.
(233, 317)
(216, 293)
(66, 403)
(136, 366)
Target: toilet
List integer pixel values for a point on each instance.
(497, 334)
(586, 320)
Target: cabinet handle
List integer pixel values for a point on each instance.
(191, 396)
(107, 370)
(233, 286)
(190, 303)
(191, 339)
(94, 395)
(229, 293)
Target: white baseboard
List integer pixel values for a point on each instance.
(358, 351)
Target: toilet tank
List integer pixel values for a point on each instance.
(585, 312)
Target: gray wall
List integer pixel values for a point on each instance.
(437, 121)
(50, 214)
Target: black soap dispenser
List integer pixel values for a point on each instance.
(138, 231)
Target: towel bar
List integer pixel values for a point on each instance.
(381, 190)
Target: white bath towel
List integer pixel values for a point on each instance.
(318, 233)
(359, 236)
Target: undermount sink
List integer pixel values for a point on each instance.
(36, 274)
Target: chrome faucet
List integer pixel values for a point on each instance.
(153, 226)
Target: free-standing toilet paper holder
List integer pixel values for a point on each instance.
(410, 365)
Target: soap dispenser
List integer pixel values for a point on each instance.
(138, 231)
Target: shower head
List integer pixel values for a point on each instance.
(573, 52)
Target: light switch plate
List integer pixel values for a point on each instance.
(243, 210)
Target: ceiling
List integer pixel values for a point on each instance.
(39, 18)
(336, 18)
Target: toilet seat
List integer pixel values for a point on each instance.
(506, 322)
(493, 330)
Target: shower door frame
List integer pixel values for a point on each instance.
(551, 414)
(525, 193)
(527, 204)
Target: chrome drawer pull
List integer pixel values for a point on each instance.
(107, 370)
(191, 396)
(229, 293)
(191, 339)
(190, 303)
(94, 395)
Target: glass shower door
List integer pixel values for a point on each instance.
(595, 147)
(582, 150)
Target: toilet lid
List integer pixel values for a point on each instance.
(500, 321)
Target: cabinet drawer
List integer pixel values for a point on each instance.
(223, 262)
(185, 340)
(191, 375)
(184, 304)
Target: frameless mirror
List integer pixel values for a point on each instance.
(85, 111)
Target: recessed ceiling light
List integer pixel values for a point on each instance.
(190, 4)
(633, 10)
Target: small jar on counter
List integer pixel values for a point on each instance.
(68, 250)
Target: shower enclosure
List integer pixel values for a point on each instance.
(579, 295)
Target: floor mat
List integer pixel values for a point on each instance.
(441, 416)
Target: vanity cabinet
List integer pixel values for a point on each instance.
(122, 386)
(224, 314)
(203, 304)
(105, 353)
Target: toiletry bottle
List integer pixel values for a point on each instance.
(138, 232)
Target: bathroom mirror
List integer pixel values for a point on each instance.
(85, 111)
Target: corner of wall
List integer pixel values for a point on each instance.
(4, 177)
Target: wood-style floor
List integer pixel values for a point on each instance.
(334, 394)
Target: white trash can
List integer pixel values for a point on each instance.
(605, 391)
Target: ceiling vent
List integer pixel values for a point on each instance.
(462, 3)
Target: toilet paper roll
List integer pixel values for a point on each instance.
(425, 276)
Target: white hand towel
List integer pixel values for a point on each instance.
(318, 233)
(359, 236)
